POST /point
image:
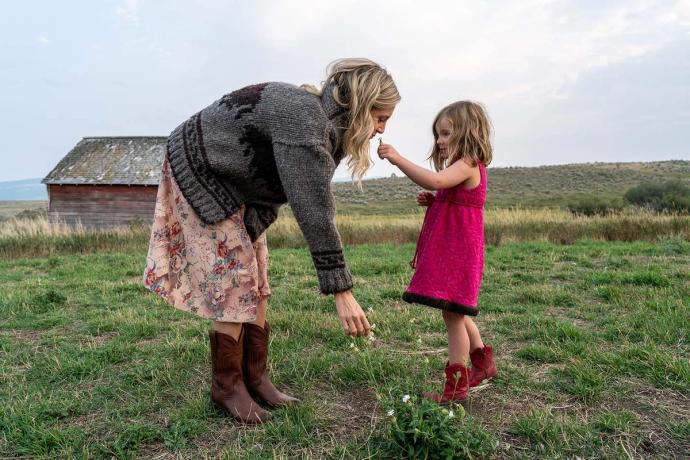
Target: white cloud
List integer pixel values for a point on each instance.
(283, 24)
(43, 40)
(129, 10)
(542, 47)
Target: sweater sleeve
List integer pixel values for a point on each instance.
(306, 173)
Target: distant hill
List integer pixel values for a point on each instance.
(26, 189)
(552, 186)
(520, 186)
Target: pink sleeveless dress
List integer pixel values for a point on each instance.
(449, 262)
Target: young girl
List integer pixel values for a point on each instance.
(449, 261)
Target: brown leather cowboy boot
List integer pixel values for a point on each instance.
(255, 369)
(227, 388)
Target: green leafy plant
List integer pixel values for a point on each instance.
(421, 429)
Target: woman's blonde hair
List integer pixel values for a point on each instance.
(471, 136)
(360, 86)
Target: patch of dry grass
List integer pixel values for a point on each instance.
(38, 237)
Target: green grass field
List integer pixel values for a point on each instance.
(591, 341)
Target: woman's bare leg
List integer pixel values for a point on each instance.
(231, 329)
(234, 329)
(261, 312)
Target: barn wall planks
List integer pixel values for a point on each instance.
(101, 205)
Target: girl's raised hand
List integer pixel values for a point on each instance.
(388, 152)
(425, 198)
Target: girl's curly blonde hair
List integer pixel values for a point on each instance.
(361, 85)
(471, 136)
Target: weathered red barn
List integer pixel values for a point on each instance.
(106, 181)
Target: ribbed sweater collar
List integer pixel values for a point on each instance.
(330, 106)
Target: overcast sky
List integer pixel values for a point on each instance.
(564, 81)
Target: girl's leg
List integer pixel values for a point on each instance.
(231, 329)
(458, 340)
(483, 365)
(473, 333)
(457, 381)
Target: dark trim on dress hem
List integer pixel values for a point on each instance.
(440, 304)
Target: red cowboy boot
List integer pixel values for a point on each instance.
(254, 365)
(483, 365)
(227, 388)
(456, 387)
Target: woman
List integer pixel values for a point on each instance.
(228, 170)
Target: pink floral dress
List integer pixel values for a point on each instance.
(213, 271)
(449, 262)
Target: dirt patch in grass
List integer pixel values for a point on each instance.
(26, 336)
(655, 403)
(223, 431)
(101, 339)
(158, 451)
(151, 341)
(354, 410)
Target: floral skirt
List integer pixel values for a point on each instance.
(213, 271)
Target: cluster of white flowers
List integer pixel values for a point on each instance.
(450, 413)
(372, 337)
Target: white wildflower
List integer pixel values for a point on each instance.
(451, 414)
(390, 413)
(406, 398)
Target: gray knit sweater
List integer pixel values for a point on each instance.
(263, 146)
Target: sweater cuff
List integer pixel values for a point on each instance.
(334, 280)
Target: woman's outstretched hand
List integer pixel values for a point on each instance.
(351, 315)
(425, 198)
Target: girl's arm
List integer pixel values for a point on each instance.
(453, 175)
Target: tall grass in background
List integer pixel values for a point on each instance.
(39, 238)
